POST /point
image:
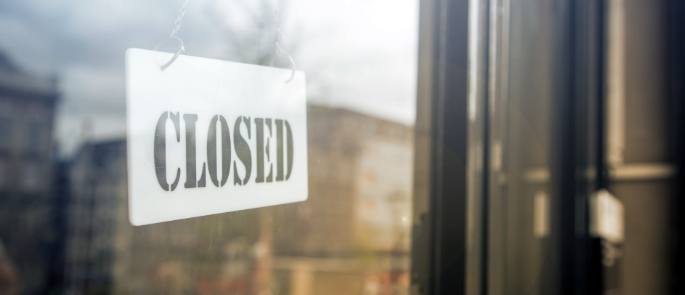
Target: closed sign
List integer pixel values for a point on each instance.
(208, 136)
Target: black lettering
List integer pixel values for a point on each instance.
(225, 151)
(289, 146)
(160, 150)
(263, 149)
(242, 150)
(279, 150)
(191, 179)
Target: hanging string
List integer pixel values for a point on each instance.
(178, 23)
(173, 35)
(279, 48)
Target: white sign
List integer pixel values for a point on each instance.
(208, 136)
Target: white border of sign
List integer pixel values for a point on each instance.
(208, 87)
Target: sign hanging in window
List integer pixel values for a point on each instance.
(208, 136)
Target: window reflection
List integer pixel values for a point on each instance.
(64, 224)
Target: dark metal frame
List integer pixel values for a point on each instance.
(676, 54)
(440, 238)
(579, 145)
(439, 248)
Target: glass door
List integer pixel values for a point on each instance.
(540, 64)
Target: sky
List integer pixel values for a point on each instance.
(357, 54)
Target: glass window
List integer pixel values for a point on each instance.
(568, 90)
(65, 59)
(523, 82)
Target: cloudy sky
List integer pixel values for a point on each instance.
(358, 54)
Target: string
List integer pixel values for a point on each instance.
(178, 23)
(173, 35)
(279, 48)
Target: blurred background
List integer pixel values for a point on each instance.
(64, 225)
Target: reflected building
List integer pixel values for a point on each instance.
(105, 254)
(96, 180)
(360, 181)
(27, 207)
(350, 237)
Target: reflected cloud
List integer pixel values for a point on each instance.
(353, 57)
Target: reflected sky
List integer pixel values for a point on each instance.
(359, 54)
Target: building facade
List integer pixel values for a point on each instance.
(27, 209)
(358, 206)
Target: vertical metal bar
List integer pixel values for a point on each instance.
(601, 168)
(448, 192)
(581, 88)
(576, 72)
(486, 148)
(677, 97)
(445, 70)
(589, 266)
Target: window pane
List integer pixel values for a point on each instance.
(64, 225)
